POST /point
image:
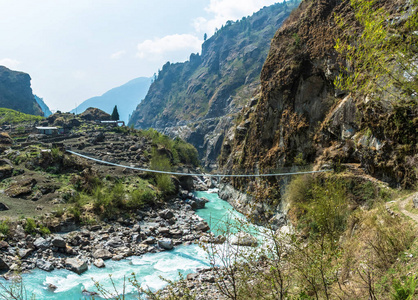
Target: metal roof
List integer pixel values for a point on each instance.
(47, 128)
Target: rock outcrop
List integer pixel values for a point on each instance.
(301, 116)
(16, 93)
(198, 100)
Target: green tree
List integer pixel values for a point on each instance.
(205, 37)
(115, 114)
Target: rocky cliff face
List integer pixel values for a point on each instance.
(197, 100)
(16, 93)
(300, 117)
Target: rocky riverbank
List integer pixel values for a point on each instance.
(148, 231)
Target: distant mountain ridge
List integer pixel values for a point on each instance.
(126, 97)
(16, 92)
(197, 99)
(47, 112)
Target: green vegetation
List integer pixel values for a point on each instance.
(10, 116)
(30, 226)
(4, 227)
(161, 163)
(382, 53)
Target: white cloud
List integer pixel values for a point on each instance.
(10, 63)
(174, 48)
(118, 54)
(224, 10)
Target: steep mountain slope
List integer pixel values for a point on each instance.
(126, 97)
(197, 100)
(302, 117)
(16, 93)
(44, 107)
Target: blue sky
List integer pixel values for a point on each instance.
(78, 49)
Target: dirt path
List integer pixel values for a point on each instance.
(402, 207)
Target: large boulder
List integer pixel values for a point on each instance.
(99, 263)
(41, 243)
(76, 265)
(202, 226)
(115, 242)
(44, 265)
(59, 242)
(102, 254)
(244, 239)
(166, 214)
(166, 244)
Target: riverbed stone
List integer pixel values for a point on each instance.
(4, 245)
(166, 244)
(166, 214)
(23, 253)
(99, 263)
(202, 226)
(102, 254)
(41, 243)
(76, 265)
(59, 242)
(114, 242)
(244, 239)
(44, 265)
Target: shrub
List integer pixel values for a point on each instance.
(30, 226)
(44, 230)
(4, 227)
(162, 163)
(406, 290)
(319, 204)
(139, 198)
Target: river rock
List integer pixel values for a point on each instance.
(244, 239)
(166, 214)
(4, 245)
(166, 244)
(114, 242)
(136, 228)
(150, 240)
(52, 287)
(59, 242)
(76, 265)
(102, 254)
(41, 243)
(3, 265)
(202, 226)
(99, 263)
(200, 203)
(23, 253)
(44, 265)
(118, 257)
(95, 227)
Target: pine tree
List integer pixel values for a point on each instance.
(115, 114)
